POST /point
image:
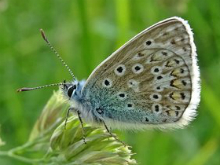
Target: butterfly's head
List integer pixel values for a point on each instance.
(72, 89)
(69, 88)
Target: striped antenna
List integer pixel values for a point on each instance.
(57, 54)
(39, 87)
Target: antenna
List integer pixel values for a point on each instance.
(39, 87)
(56, 53)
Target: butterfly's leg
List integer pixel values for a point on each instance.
(67, 116)
(81, 123)
(80, 119)
(107, 129)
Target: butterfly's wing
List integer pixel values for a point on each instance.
(152, 80)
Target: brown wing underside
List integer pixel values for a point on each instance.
(153, 71)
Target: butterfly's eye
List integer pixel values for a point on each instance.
(70, 90)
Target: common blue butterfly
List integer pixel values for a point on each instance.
(152, 81)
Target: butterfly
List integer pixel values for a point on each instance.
(152, 81)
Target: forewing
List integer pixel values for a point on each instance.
(152, 79)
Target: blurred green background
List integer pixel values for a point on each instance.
(85, 32)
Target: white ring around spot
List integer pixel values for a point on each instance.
(141, 68)
(123, 70)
